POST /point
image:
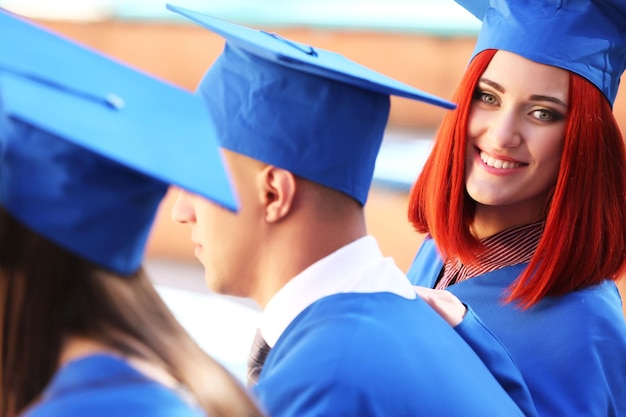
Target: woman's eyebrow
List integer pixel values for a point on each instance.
(539, 97)
(493, 84)
(534, 97)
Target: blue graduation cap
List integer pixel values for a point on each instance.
(88, 146)
(587, 37)
(304, 109)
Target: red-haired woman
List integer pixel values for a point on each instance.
(524, 201)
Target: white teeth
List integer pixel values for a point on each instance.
(498, 163)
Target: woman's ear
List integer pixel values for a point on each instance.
(277, 188)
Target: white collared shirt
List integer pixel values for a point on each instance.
(358, 267)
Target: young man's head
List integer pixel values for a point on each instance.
(301, 128)
(285, 223)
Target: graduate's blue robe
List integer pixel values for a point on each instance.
(376, 354)
(106, 386)
(570, 349)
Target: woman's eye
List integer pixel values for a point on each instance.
(544, 115)
(488, 98)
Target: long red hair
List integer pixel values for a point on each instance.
(584, 240)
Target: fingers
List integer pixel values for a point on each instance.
(443, 302)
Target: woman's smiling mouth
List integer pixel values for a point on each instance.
(498, 163)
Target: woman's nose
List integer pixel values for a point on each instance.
(504, 130)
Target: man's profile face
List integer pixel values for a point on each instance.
(226, 243)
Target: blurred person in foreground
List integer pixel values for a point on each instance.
(88, 148)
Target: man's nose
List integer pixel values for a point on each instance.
(182, 211)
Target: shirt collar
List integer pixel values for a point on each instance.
(506, 248)
(358, 267)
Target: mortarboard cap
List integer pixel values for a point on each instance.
(88, 146)
(307, 110)
(582, 36)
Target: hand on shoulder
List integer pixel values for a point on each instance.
(443, 302)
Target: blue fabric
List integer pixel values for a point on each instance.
(582, 36)
(299, 122)
(376, 354)
(106, 386)
(307, 110)
(63, 195)
(570, 349)
(87, 142)
(503, 367)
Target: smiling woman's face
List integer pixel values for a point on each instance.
(515, 136)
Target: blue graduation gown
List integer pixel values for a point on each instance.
(106, 386)
(571, 349)
(376, 354)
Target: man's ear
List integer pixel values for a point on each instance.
(277, 188)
